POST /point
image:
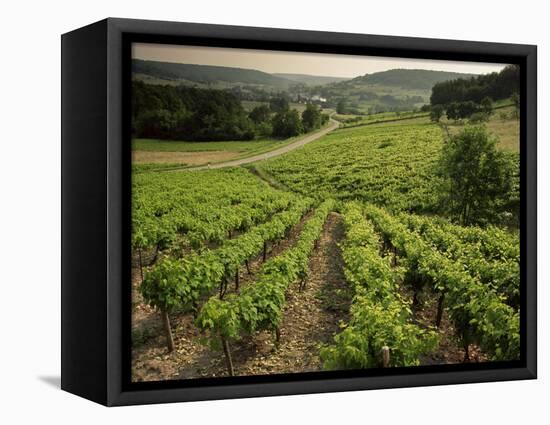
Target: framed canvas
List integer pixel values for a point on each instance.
(253, 212)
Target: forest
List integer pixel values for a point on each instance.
(196, 114)
(495, 85)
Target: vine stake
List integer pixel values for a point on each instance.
(168, 330)
(228, 359)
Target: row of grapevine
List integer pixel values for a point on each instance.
(259, 306)
(391, 166)
(499, 271)
(167, 205)
(380, 317)
(174, 283)
(479, 314)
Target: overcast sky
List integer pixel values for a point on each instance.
(331, 65)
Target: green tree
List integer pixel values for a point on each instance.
(466, 109)
(436, 112)
(478, 178)
(287, 124)
(158, 123)
(278, 104)
(260, 114)
(342, 107)
(311, 117)
(486, 106)
(452, 111)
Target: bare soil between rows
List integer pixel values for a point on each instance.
(311, 318)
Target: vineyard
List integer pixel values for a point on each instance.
(392, 166)
(328, 257)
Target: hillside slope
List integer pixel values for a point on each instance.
(411, 79)
(206, 73)
(311, 80)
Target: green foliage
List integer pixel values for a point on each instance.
(205, 74)
(260, 114)
(516, 101)
(174, 283)
(342, 107)
(287, 124)
(196, 208)
(311, 118)
(478, 178)
(478, 118)
(436, 112)
(310, 80)
(461, 110)
(496, 86)
(475, 308)
(379, 118)
(259, 306)
(278, 104)
(182, 113)
(492, 254)
(486, 106)
(182, 282)
(379, 316)
(411, 78)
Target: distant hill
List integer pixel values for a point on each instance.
(410, 79)
(311, 80)
(206, 74)
(393, 90)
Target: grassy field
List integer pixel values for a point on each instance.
(180, 146)
(172, 153)
(502, 124)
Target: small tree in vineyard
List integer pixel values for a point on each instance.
(478, 177)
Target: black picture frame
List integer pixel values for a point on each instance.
(96, 210)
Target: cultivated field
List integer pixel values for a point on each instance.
(291, 222)
(328, 257)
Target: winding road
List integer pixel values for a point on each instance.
(271, 154)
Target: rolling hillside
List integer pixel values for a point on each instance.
(311, 80)
(206, 74)
(411, 79)
(395, 89)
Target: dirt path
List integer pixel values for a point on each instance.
(450, 350)
(311, 318)
(276, 152)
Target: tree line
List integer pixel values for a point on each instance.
(473, 98)
(496, 86)
(476, 112)
(189, 113)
